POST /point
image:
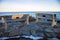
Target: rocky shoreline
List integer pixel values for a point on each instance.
(27, 38)
(34, 29)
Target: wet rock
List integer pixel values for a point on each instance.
(43, 38)
(1, 34)
(13, 39)
(23, 38)
(26, 33)
(58, 35)
(53, 39)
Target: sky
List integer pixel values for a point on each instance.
(29, 5)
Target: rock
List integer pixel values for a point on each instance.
(23, 38)
(53, 39)
(13, 39)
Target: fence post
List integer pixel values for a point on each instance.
(27, 20)
(4, 22)
(37, 20)
(54, 20)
